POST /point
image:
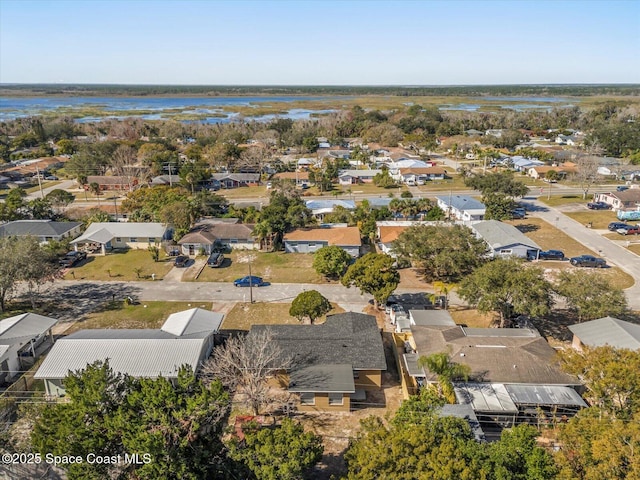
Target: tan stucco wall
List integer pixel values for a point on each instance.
(368, 379)
(322, 404)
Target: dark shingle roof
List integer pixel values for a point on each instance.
(346, 338)
(37, 228)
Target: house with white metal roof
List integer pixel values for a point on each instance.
(504, 239)
(186, 338)
(321, 207)
(20, 339)
(606, 331)
(123, 235)
(462, 207)
(43, 230)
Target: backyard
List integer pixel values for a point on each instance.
(243, 315)
(274, 267)
(125, 265)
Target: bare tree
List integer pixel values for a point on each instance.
(124, 163)
(245, 364)
(587, 172)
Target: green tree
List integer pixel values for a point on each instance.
(499, 182)
(375, 274)
(60, 198)
(507, 286)
(283, 213)
(590, 296)
(179, 425)
(66, 147)
(499, 206)
(447, 371)
(384, 179)
(331, 261)
(309, 304)
(285, 452)
(14, 205)
(444, 253)
(155, 252)
(552, 176)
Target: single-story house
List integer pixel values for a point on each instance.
(626, 200)
(216, 233)
(472, 132)
(186, 338)
(387, 234)
(379, 202)
(298, 177)
(165, 180)
(606, 331)
(22, 339)
(462, 207)
(494, 132)
(305, 163)
(541, 171)
(235, 180)
(334, 363)
(349, 177)
(342, 154)
(504, 239)
(134, 235)
(310, 240)
(431, 318)
(419, 175)
(111, 182)
(523, 164)
(43, 230)
(321, 207)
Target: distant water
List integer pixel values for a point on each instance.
(165, 107)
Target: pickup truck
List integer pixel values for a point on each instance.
(588, 261)
(71, 258)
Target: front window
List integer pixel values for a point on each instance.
(133, 239)
(307, 398)
(118, 239)
(336, 399)
(152, 239)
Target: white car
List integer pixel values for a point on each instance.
(269, 185)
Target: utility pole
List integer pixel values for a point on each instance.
(39, 180)
(115, 206)
(170, 177)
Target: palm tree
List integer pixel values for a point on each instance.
(447, 371)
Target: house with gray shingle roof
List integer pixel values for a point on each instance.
(606, 331)
(504, 239)
(123, 235)
(43, 230)
(462, 207)
(207, 235)
(334, 363)
(186, 338)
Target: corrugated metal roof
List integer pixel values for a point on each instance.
(25, 325)
(149, 358)
(102, 232)
(192, 321)
(485, 397)
(498, 234)
(411, 363)
(544, 395)
(608, 331)
(322, 378)
(465, 412)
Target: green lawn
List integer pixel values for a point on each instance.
(454, 183)
(600, 219)
(243, 315)
(275, 267)
(120, 266)
(241, 192)
(144, 315)
(558, 200)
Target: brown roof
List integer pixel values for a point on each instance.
(423, 170)
(630, 195)
(210, 232)
(110, 180)
(546, 168)
(495, 355)
(292, 175)
(40, 165)
(333, 236)
(389, 234)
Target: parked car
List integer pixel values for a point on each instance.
(72, 258)
(51, 177)
(546, 255)
(622, 188)
(181, 261)
(588, 261)
(614, 226)
(269, 185)
(215, 259)
(598, 206)
(248, 281)
(518, 213)
(629, 230)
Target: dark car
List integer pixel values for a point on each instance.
(622, 188)
(614, 226)
(215, 259)
(71, 258)
(518, 213)
(248, 281)
(588, 261)
(546, 255)
(598, 206)
(629, 230)
(181, 261)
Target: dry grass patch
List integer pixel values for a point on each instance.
(143, 315)
(243, 315)
(559, 200)
(600, 219)
(120, 266)
(471, 317)
(549, 237)
(635, 248)
(244, 192)
(274, 267)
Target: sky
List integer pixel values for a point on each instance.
(304, 42)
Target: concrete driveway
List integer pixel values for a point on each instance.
(613, 253)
